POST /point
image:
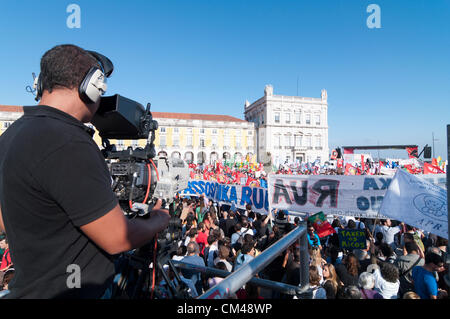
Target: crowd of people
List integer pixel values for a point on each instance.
(399, 261)
(6, 266)
(255, 174)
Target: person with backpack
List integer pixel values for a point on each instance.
(247, 254)
(405, 265)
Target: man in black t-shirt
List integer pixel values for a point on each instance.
(57, 207)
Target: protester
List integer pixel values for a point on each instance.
(317, 291)
(366, 283)
(423, 278)
(331, 282)
(405, 264)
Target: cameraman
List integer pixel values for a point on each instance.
(57, 207)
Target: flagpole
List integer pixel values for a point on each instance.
(269, 195)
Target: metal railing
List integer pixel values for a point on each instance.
(245, 273)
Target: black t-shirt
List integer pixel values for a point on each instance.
(229, 227)
(53, 180)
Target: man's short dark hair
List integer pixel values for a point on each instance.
(211, 239)
(246, 248)
(433, 258)
(411, 246)
(64, 66)
(408, 236)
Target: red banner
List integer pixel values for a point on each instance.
(431, 169)
(412, 152)
(348, 150)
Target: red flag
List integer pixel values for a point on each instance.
(434, 162)
(321, 225)
(431, 169)
(348, 150)
(340, 163)
(412, 152)
(409, 169)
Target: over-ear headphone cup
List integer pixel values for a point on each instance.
(87, 94)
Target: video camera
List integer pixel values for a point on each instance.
(139, 177)
(136, 177)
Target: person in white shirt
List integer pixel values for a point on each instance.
(387, 280)
(389, 232)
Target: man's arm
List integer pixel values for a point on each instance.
(114, 233)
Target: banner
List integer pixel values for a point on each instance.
(412, 152)
(430, 169)
(418, 203)
(358, 195)
(352, 239)
(238, 195)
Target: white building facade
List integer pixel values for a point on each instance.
(290, 128)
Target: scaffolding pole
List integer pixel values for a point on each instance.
(245, 273)
(264, 283)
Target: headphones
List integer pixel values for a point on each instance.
(93, 85)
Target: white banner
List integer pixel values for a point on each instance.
(352, 195)
(417, 202)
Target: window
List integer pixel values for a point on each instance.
(287, 140)
(214, 141)
(189, 130)
(308, 141)
(162, 129)
(189, 140)
(298, 117)
(6, 124)
(202, 131)
(214, 131)
(250, 132)
(277, 141)
(238, 142)
(176, 140)
(226, 140)
(162, 141)
(287, 116)
(318, 141)
(202, 142)
(277, 117)
(175, 130)
(308, 119)
(135, 143)
(317, 119)
(298, 140)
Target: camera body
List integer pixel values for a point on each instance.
(137, 177)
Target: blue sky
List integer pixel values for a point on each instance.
(385, 86)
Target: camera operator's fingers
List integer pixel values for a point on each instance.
(158, 204)
(162, 217)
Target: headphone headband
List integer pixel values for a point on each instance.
(105, 63)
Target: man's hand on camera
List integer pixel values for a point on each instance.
(159, 215)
